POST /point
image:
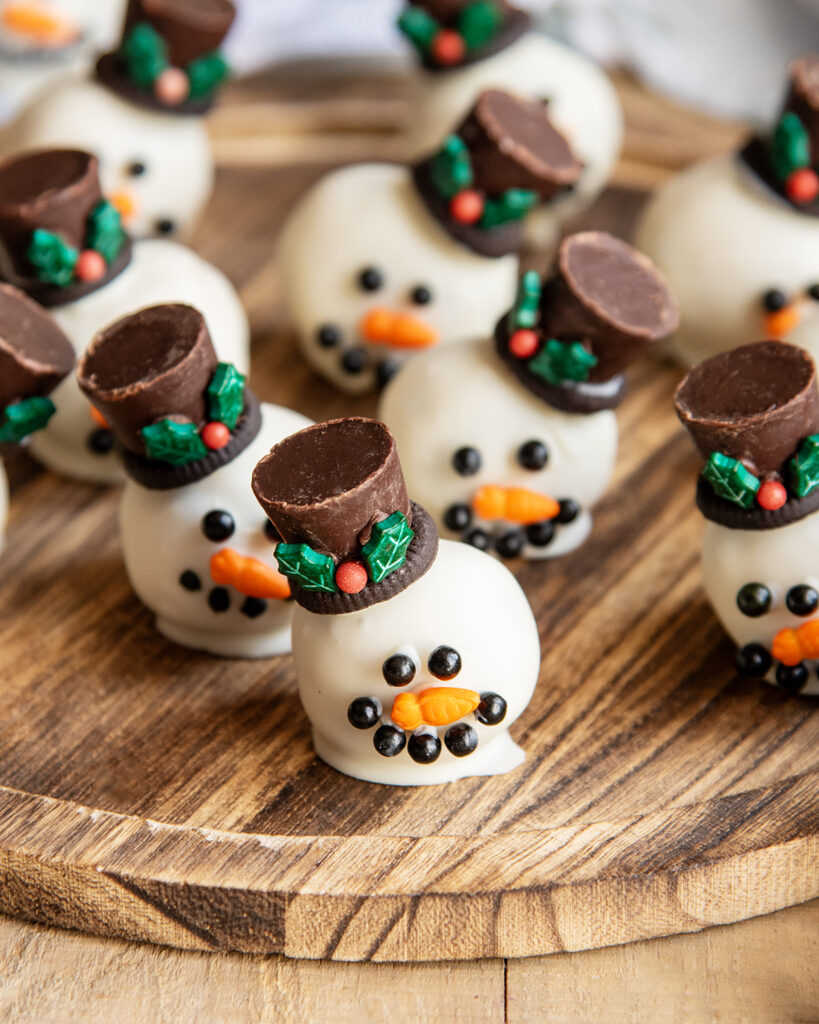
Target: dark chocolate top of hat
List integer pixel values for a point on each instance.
(755, 404)
(35, 355)
(54, 190)
(328, 487)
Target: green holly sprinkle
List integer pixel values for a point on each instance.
(174, 443)
(25, 417)
(206, 74)
(790, 147)
(527, 300)
(559, 361)
(451, 167)
(105, 232)
(419, 27)
(310, 569)
(145, 54)
(479, 23)
(53, 258)
(804, 467)
(226, 395)
(730, 479)
(511, 205)
(386, 550)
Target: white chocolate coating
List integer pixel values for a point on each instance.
(159, 271)
(465, 397)
(466, 601)
(174, 149)
(723, 241)
(582, 104)
(781, 559)
(162, 538)
(370, 215)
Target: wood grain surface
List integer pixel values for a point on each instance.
(151, 793)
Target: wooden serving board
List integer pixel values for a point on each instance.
(157, 794)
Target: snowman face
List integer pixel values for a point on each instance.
(743, 264)
(371, 278)
(169, 542)
(156, 168)
(464, 425)
(465, 624)
(761, 582)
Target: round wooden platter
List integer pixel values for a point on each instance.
(157, 794)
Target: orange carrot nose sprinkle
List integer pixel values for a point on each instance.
(35, 22)
(124, 203)
(401, 330)
(438, 705)
(249, 576)
(516, 504)
(783, 321)
(790, 646)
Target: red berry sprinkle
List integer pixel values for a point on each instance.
(802, 186)
(523, 343)
(351, 577)
(90, 266)
(466, 207)
(448, 47)
(771, 495)
(215, 435)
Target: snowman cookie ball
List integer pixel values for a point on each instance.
(141, 113)
(753, 414)
(413, 658)
(381, 261)
(197, 551)
(35, 356)
(738, 235)
(508, 442)
(466, 46)
(63, 243)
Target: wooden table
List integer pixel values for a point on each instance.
(278, 134)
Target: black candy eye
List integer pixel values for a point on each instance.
(421, 295)
(444, 662)
(370, 279)
(136, 169)
(802, 600)
(466, 461)
(533, 455)
(218, 524)
(754, 599)
(398, 670)
(773, 300)
(271, 532)
(813, 292)
(165, 226)
(328, 336)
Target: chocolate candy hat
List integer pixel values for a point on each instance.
(336, 494)
(168, 58)
(177, 412)
(753, 414)
(59, 238)
(452, 33)
(787, 162)
(35, 356)
(569, 338)
(503, 160)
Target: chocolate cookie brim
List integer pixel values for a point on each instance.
(577, 397)
(492, 242)
(110, 73)
(160, 476)
(726, 513)
(518, 23)
(51, 296)
(420, 556)
(754, 158)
